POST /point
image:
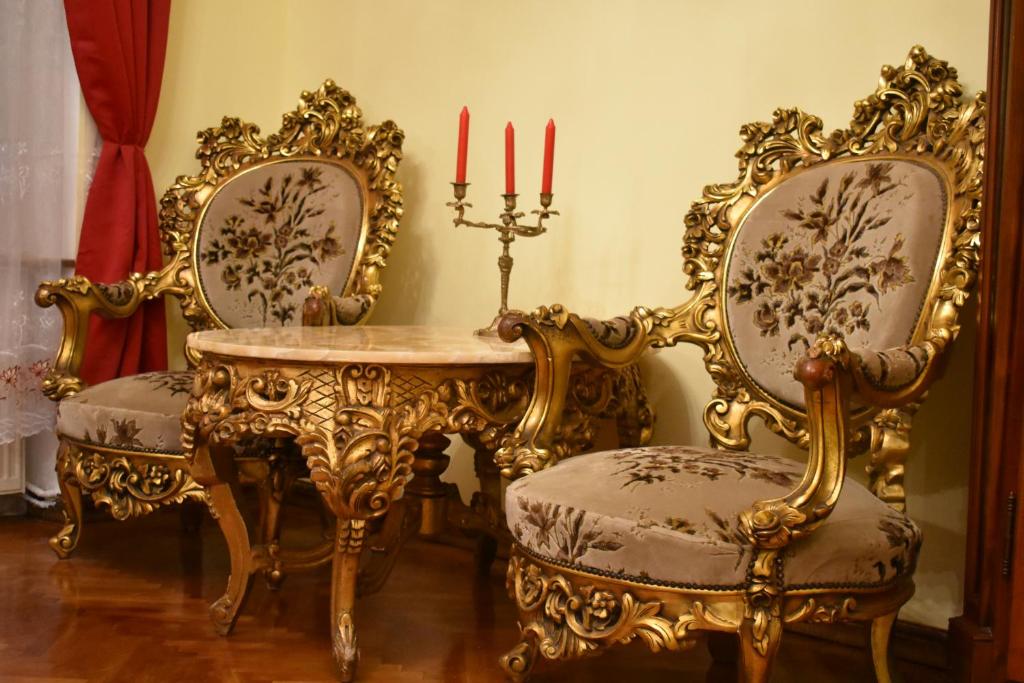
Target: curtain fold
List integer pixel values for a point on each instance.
(119, 47)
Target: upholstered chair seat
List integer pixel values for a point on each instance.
(668, 516)
(135, 413)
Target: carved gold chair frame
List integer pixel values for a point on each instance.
(327, 128)
(915, 113)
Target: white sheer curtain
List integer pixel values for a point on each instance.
(42, 172)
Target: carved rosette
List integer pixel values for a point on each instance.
(131, 486)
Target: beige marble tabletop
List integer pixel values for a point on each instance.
(399, 344)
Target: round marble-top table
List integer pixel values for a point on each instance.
(396, 344)
(368, 407)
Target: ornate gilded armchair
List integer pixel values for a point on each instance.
(846, 257)
(315, 205)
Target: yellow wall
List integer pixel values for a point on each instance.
(648, 97)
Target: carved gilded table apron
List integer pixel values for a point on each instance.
(360, 402)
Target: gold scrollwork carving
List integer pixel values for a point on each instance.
(823, 611)
(564, 615)
(130, 486)
(889, 447)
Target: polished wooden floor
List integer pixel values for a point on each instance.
(131, 606)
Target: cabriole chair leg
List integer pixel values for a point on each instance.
(64, 542)
(881, 629)
(756, 667)
(518, 662)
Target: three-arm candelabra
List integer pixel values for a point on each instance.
(508, 230)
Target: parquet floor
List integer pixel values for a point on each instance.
(131, 606)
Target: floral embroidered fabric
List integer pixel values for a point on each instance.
(272, 233)
(135, 413)
(670, 514)
(613, 333)
(892, 368)
(846, 248)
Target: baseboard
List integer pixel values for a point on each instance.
(972, 651)
(924, 645)
(12, 505)
(43, 507)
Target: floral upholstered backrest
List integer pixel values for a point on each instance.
(869, 233)
(847, 247)
(273, 232)
(265, 219)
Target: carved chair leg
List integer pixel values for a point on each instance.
(64, 542)
(881, 629)
(756, 666)
(518, 662)
(215, 469)
(347, 549)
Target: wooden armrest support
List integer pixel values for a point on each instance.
(831, 375)
(321, 308)
(78, 298)
(771, 524)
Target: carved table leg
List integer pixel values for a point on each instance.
(487, 506)
(401, 524)
(214, 468)
(348, 547)
(272, 495)
(431, 461)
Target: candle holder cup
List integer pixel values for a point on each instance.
(508, 229)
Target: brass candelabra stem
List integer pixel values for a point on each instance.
(508, 230)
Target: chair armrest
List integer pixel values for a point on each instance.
(832, 374)
(556, 337)
(78, 298)
(321, 308)
(897, 376)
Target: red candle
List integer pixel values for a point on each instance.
(549, 157)
(510, 159)
(460, 163)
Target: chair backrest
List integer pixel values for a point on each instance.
(266, 218)
(870, 232)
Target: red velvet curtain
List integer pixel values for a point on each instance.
(119, 48)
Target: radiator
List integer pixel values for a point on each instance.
(12, 467)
